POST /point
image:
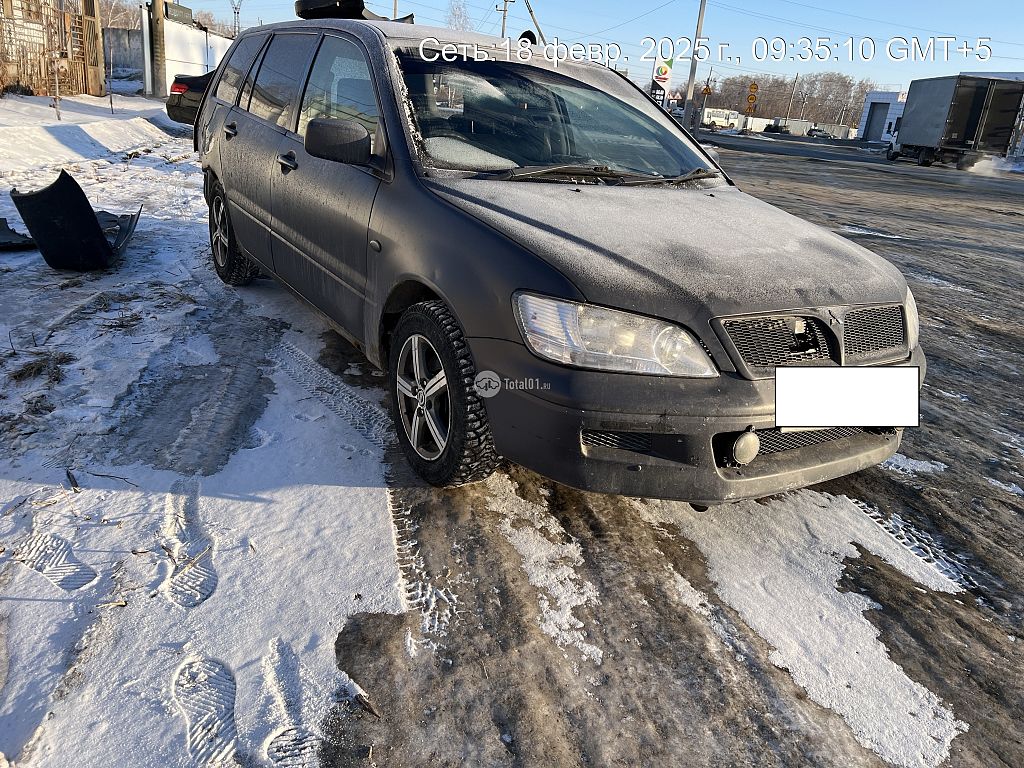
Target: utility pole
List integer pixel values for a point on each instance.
(540, 34)
(704, 99)
(791, 97)
(236, 6)
(503, 9)
(688, 109)
(394, 15)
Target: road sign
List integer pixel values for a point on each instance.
(753, 87)
(751, 108)
(707, 90)
(751, 99)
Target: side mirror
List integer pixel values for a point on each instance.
(343, 141)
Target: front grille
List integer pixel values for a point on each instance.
(874, 332)
(624, 441)
(765, 342)
(775, 441)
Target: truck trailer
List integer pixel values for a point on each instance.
(960, 118)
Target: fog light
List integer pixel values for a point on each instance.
(745, 449)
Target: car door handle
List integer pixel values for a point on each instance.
(287, 162)
(230, 130)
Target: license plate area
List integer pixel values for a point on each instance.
(826, 397)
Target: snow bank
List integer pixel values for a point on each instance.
(31, 136)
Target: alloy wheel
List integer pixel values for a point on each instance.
(219, 232)
(423, 400)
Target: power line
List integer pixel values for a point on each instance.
(635, 18)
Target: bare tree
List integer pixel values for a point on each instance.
(209, 21)
(120, 14)
(822, 97)
(458, 16)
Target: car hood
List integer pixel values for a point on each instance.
(683, 254)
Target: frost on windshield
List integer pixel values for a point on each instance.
(454, 152)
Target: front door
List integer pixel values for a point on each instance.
(322, 208)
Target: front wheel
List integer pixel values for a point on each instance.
(441, 421)
(230, 263)
(892, 155)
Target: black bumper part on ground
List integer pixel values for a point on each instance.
(68, 232)
(577, 428)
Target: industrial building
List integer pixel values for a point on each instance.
(881, 115)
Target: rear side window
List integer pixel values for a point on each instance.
(340, 87)
(238, 66)
(276, 88)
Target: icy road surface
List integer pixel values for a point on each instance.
(210, 553)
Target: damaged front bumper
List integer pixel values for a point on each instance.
(660, 437)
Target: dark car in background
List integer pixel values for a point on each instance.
(186, 94)
(548, 267)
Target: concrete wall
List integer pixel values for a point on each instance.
(191, 51)
(893, 101)
(124, 47)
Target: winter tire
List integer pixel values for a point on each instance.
(231, 265)
(441, 421)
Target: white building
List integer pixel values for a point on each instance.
(882, 111)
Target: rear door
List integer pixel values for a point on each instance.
(1001, 117)
(322, 208)
(252, 132)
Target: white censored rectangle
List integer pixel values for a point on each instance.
(812, 397)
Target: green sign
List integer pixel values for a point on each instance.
(178, 13)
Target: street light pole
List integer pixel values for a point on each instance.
(688, 110)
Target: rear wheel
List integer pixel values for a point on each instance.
(441, 421)
(925, 158)
(230, 263)
(966, 162)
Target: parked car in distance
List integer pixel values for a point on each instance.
(678, 113)
(773, 128)
(549, 269)
(186, 94)
(818, 133)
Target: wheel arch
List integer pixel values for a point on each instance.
(403, 295)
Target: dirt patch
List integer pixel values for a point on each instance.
(959, 651)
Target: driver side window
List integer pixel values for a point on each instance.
(340, 88)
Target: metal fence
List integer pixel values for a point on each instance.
(43, 44)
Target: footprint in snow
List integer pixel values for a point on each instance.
(52, 557)
(192, 579)
(295, 746)
(204, 690)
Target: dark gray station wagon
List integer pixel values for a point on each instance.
(550, 269)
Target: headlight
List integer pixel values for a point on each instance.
(913, 321)
(593, 337)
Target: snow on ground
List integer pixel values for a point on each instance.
(910, 467)
(31, 135)
(160, 607)
(191, 507)
(993, 166)
(549, 564)
(778, 563)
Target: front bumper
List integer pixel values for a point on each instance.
(674, 430)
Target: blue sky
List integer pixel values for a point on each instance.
(738, 23)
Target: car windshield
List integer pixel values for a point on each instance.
(487, 116)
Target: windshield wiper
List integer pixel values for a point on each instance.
(572, 171)
(696, 173)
